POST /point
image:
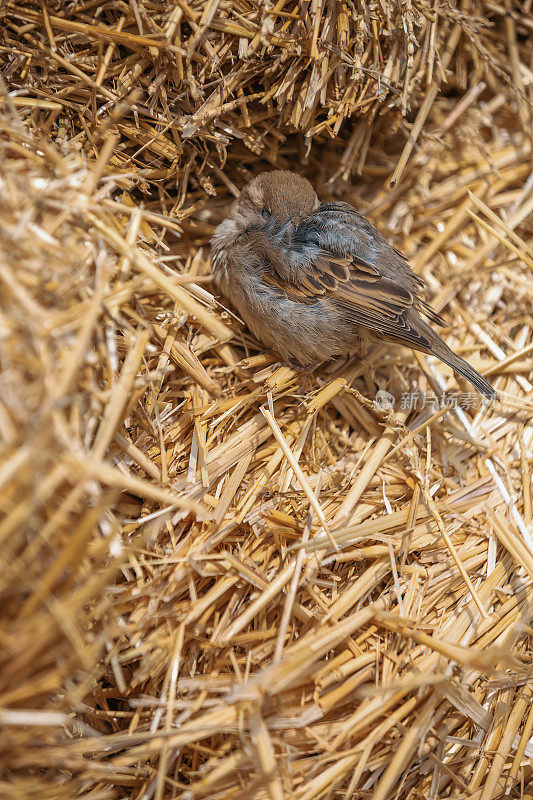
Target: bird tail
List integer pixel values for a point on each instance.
(442, 351)
(428, 341)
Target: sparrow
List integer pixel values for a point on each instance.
(312, 280)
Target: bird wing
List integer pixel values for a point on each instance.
(359, 290)
(339, 257)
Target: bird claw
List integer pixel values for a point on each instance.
(306, 369)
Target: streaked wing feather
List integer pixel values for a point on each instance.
(365, 294)
(424, 307)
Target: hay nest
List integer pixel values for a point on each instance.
(216, 581)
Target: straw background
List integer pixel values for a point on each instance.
(218, 580)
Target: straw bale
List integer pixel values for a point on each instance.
(218, 580)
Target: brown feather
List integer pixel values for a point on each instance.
(313, 278)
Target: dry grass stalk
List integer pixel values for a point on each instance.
(217, 581)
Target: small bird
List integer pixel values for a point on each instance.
(312, 280)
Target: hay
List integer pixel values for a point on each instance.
(218, 581)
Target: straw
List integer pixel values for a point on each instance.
(220, 579)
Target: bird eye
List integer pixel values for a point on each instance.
(265, 213)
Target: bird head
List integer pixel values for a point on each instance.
(274, 199)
